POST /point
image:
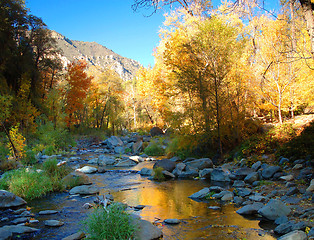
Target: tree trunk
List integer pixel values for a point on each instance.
(15, 153)
(218, 117)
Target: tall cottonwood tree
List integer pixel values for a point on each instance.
(76, 92)
(201, 62)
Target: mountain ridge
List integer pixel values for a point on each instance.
(95, 54)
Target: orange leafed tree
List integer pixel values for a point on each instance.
(78, 86)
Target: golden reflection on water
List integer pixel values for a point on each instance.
(170, 200)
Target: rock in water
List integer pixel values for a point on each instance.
(172, 221)
(200, 194)
(84, 190)
(53, 223)
(274, 209)
(166, 164)
(8, 199)
(145, 230)
(295, 235)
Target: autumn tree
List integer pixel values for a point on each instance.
(78, 86)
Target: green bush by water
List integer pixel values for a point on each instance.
(111, 224)
(158, 175)
(30, 184)
(154, 149)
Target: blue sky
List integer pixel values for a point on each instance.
(111, 23)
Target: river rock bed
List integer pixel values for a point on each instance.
(281, 195)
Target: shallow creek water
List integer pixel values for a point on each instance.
(168, 199)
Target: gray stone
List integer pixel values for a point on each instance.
(114, 141)
(53, 223)
(8, 199)
(220, 175)
(292, 191)
(216, 189)
(78, 177)
(200, 194)
(256, 165)
(189, 173)
(214, 207)
(175, 159)
(269, 171)
(311, 187)
(205, 173)
(283, 161)
(274, 209)
(146, 172)
(145, 230)
(168, 174)
(119, 150)
(297, 166)
(84, 190)
(105, 160)
(287, 178)
(47, 212)
(200, 164)
(172, 221)
(125, 163)
(238, 200)
(87, 170)
(166, 164)
(228, 196)
(179, 168)
(311, 233)
(238, 184)
(295, 235)
(241, 173)
(137, 147)
(243, 192)
(251, 177)
(258, 198)
(137, 159)
(156, 131)
(20, 220)
(75, 236)
(284, 228)
(6, 232)
(250, 209)
(281, 220)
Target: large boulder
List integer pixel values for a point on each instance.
(8, 199)
(137, 147)
(144, 229)
(200, 194)
(156, 131)
(220, 175)
(274, 209)
(106, 160)
(269, 171)
(200, 164)
(179, 169)
(166, 164)
(6, 232)
(78, 178)
(250, 209)
(205, 173)
(146, 172)
(113, 142)
(243, 172)
(125, 163)
(84, 190)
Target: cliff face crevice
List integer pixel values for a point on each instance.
(95, 54)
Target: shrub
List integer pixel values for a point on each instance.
(111, 224)
(158, 175)
(29, 158)
(29, 184)
(300, 146)
(181, 146)
(55, 173)
(154, 149)
(18, 140)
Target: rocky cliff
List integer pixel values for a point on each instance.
(95, 54)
